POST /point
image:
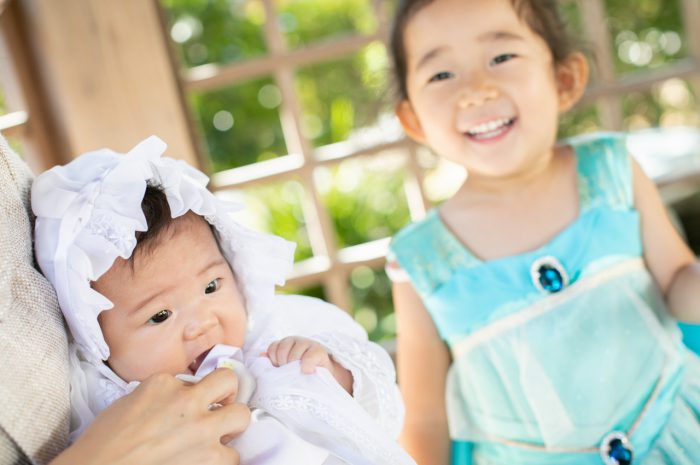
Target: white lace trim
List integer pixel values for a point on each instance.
(363, 442)
(374, 382)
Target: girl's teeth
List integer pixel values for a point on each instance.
(489, 127)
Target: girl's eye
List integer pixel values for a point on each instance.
(160, 316)
(212, 286)
(497, 60)
(441, 76)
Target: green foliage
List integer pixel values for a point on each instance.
(216, 31)
(241, 123)
(256, 133)
(366, 200)
(648, 35)
(309, 21)
(278, 208)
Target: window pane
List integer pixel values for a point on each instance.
(442, 177)
(216, 31)
(340, 96)
(372, 306)
(572, 16)
(317, 291)
(241, 123)
(365, 197)
(17, 145)
(3, 105)
(669, 103)
(647, 35)
(13, 136)
(277, 209)
(579, 121)
(304, 22)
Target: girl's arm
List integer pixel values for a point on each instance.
(669, 259)
(422, 363)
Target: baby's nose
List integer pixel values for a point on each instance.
(201, 322)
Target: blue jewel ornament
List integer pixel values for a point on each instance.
(615, 449)
(548, 275)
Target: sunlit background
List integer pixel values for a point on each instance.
(344, 103)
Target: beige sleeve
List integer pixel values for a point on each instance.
(34, 418)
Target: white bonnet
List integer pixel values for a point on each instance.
(89, 210)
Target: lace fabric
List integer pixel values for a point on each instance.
(89, 210)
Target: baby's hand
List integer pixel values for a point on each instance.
(309, 352)
(312, 355)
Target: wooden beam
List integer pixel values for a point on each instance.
(43, 141)
(109, 74)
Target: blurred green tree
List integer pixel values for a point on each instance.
(339, 98)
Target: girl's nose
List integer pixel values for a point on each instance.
(201, 322)
(477, 93)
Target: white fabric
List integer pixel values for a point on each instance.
(306, 417)
(89, 210)
(87, 214)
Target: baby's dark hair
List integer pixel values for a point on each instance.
(542, 16)
(159, 219)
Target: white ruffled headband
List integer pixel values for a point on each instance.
(89, 210)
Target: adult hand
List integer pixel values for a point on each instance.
(165, 421)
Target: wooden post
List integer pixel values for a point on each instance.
(107, 74)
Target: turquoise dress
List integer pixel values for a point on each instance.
(564, 354)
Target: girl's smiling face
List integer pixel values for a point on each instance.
(482, 87)
(171, 304)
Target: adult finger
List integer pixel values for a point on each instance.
(218, 387)
(234, 419)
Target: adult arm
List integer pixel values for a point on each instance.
(422, 364)
(165, 422)
(669, 259)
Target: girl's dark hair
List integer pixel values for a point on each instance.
(542, 16)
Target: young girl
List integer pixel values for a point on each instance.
(532, 307)
(153, 276)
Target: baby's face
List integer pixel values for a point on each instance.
(179, 300)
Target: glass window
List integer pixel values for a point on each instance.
(241, 123)
(668, 103)
(311, 291)
(648, 35)
(337, 97)
(580, 121)
(304, 22)
(365, 197)
(372, 306)
(275, 208)
(216, 31)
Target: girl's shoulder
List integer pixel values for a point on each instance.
(604, 169)
(427, 252)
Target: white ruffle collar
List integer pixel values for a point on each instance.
(89, 210)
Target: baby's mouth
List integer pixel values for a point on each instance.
(194, 366)
(490, 129)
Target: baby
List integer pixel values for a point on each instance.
(154, 277)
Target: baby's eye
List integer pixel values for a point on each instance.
(160, 317)
(502, 58)
(212, 286)
(442, 75)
